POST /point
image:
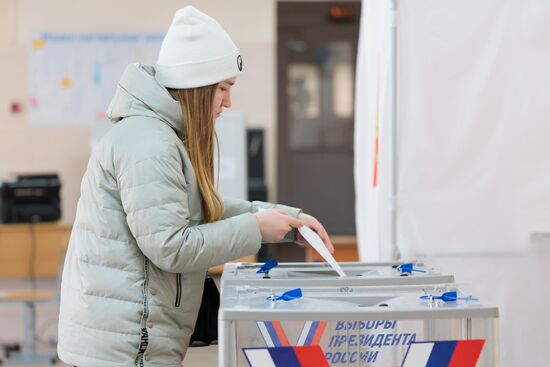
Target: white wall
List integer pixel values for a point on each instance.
(24, 148)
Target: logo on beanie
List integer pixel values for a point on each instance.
(240, 63)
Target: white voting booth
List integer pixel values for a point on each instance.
(354, 326)
(366, 314)
(456, 94)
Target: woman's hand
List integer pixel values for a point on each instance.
(275, 224)
(314, 224)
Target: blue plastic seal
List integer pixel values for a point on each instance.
(450, 297)
(265, 268)
(287, 296)
(409, 268)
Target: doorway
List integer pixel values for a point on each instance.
(316, 56)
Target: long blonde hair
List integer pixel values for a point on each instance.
(199, 139)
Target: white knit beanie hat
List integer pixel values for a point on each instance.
(196, 52)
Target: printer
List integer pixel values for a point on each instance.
(31, 199)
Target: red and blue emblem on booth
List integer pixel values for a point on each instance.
(456, 353)
(279, 351)
(274, 335)
(301, 356)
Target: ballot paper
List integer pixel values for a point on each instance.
(315, 241)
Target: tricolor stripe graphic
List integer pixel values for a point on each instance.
(456, 353)
(273, 333)
(303, 356)
(312, 332)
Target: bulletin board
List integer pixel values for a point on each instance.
(73, 76)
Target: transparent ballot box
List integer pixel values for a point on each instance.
(321, 274)
(382, 326)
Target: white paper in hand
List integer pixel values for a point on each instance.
(315, 241)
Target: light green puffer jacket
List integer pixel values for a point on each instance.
(135, 267)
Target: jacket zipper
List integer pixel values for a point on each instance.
(178, 289)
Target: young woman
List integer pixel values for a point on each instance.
(149, 221)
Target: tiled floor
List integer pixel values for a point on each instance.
(11, 325)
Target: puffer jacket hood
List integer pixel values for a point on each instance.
(140, 94)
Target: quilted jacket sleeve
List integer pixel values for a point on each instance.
(235, 207)
(154, 196)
